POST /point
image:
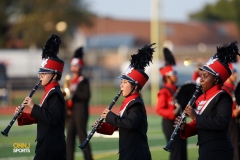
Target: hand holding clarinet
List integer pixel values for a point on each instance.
(103, 116)
(98, 122)
(180, 120)
(28, 102)
(187, 111)
(18, 111)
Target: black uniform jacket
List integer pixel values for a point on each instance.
(212, 124)
(50, 118)
(132, 125)
(80, 101)
(51, 115)
(215, 128)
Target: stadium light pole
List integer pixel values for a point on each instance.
(157, 36)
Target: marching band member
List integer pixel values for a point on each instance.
(212, 116)
(131, 121)
(229, 86)
(166, 108)
(50, 114)
(77, 106)
(196, 73)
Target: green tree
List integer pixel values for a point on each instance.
(223, 10)
(4, 25)
(35, 20)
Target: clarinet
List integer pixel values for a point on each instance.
(6, 130)
(84, 144)
(183, 116)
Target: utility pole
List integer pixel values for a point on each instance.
(157, 36)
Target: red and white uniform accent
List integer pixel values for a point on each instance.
(26, 119)
(73, 86)
(109, 129)
(201, 104)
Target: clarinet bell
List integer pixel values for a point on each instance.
(168, 146)
(84, 144)
(6, 130)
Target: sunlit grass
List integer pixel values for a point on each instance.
(102, 148)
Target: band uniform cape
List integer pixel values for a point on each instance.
(50, 114)
(131, 120)
(214, 110)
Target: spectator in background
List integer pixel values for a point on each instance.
(229, 86)
(78, 107)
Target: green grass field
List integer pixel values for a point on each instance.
(103, 148)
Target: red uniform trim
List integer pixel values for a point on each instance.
(190, 130)
(26, 119)
(106, 129)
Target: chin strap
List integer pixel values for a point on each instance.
(135, 84)
(51, 79)
(214, 82)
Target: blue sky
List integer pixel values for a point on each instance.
(169, 10)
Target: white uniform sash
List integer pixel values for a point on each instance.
(45, 97)
(122, 111)
(203, 105)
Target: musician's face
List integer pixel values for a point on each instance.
(46, 77)
(75, 69)
(126, 87)
(207, 80)
(172, 79)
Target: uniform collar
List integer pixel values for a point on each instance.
(214, 89)
(128, 99)
(50, 86)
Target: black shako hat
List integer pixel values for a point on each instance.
(50, 61)
(135, 73)
(218, 65)
(78, 57)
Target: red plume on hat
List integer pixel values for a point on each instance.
(168, 68)
(136, 70)
(50, 61)
(78, 57)
(218, 65)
